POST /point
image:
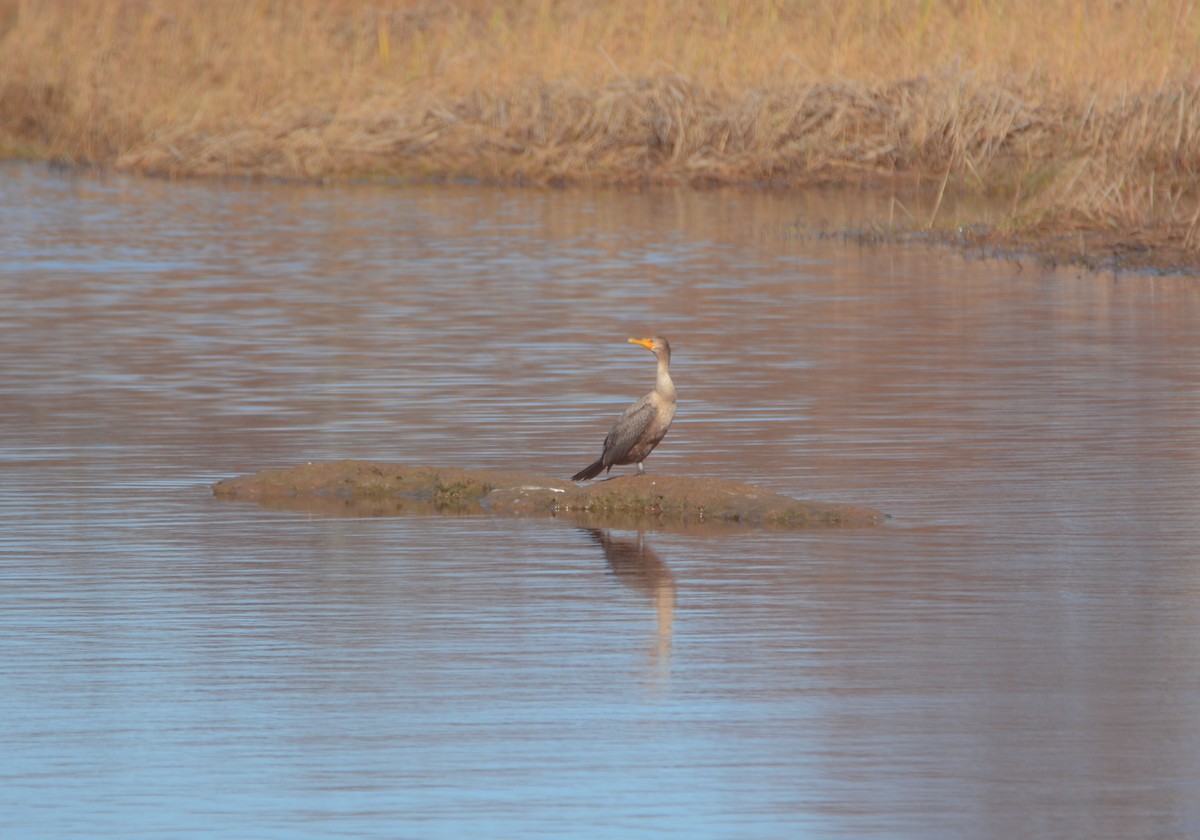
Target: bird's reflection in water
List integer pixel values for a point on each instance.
(638, 567)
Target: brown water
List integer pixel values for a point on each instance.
(1016, 654)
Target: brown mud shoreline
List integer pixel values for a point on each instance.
(1153, 252)
(367, 488)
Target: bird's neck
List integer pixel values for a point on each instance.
(663, 384)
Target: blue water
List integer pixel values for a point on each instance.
(1015, 654)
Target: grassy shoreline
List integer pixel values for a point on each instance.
(1080, 116)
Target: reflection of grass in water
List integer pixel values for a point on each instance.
(1078, 111)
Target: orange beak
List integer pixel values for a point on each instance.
(645, 342)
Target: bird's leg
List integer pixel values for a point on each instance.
(641, 469)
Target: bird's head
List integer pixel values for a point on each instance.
(656, 345)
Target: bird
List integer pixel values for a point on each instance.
(643, 425)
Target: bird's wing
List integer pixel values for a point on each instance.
(629, 429)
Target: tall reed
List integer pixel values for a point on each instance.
(1082, 113)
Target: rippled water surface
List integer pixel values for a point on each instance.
(1015, 654)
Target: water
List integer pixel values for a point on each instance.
(1015, 654)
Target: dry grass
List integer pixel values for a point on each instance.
(1082, 113)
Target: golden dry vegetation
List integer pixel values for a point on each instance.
(1080, 114)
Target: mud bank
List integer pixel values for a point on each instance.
(364, 488)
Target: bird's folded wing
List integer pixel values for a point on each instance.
(629, 429)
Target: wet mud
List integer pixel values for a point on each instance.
(365, 488)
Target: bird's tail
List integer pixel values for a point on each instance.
(590, 471)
